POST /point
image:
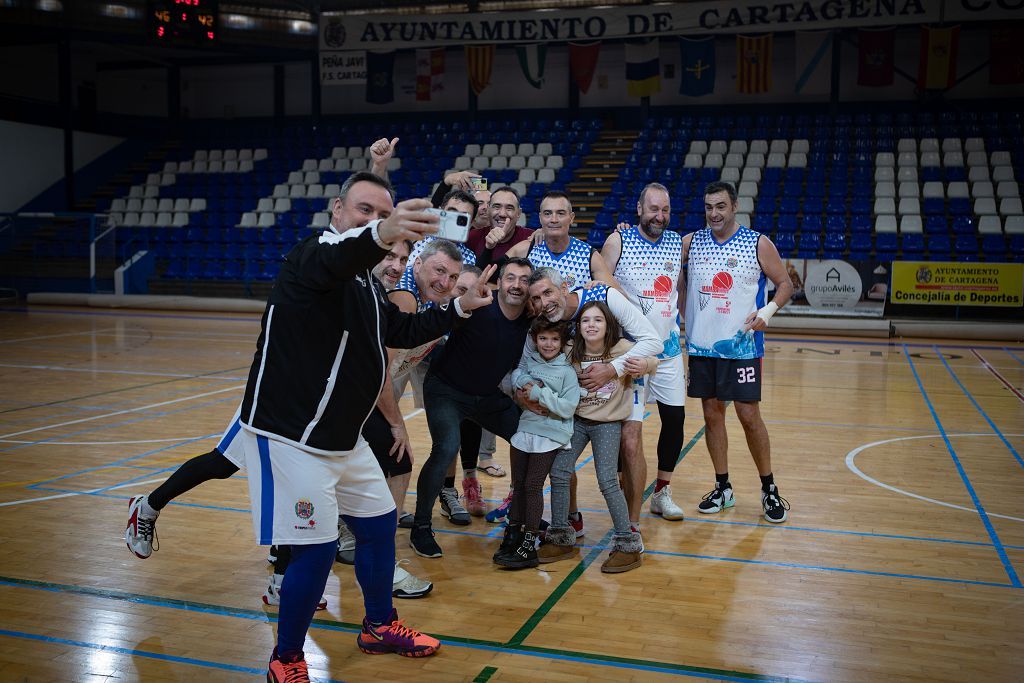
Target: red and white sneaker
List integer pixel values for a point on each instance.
(395, 636)
(140, 534)
(576, 522)
(473, 497)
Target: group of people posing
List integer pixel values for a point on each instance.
(530, 336)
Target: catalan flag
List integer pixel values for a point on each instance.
(753, 64)
(479, 61)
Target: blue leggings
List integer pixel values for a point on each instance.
(306, 577)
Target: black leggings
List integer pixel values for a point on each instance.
(192, 473)
(470, 434)
(529, 470)
(670, 441)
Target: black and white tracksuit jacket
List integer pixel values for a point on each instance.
(320, 358)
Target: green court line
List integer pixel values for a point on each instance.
(485, 674)
(117, 391)
(333, 625)
(524, 632)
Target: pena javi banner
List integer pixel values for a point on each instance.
(957, 284)
(394, 31)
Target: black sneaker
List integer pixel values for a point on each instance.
(421, 539)
(405, 520)
(774, 505)
(716, 500)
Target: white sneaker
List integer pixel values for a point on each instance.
(140, 534)
(662, 504)
(405, 585)
(272, 596)
(346, 544)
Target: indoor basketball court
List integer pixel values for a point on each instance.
(901, 559)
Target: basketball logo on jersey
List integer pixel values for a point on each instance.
(569, 279)
(661, 292)
(719, 288)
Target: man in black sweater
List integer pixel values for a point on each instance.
(463, 384)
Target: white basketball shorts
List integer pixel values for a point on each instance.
(667, 385)
(296, 496)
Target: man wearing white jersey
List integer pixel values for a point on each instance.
(645, 260)
(576, 260)
(722, 300)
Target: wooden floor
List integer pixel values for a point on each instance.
(901, 560)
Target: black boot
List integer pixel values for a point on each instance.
(523, 555)
(512, 538)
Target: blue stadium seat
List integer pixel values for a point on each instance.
(912, 243)
(934, 206)
(784, 242)
(835, 224)
(810, 223)
(860, 223)
(939, 247)
(993, 247)
(963, 225)
(966, 244)
(886, 241)
(809, 244)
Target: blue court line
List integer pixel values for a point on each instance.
(813, 530)
(133, 653)
(117, 463)
(251, 317)
(978, 407)
(1007, 565)
(1012, 355)
(128, 419)
(894, 345)
(528, 651)
(842, 570)
(148, 655)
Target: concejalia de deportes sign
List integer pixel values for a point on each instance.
(957, 284)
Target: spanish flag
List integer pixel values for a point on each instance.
(643, 69)
(937, 68)
(754, 64)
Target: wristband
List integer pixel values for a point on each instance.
(768, 311)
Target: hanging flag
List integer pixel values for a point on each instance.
(937, 68)
(531, 61)
(753, 64)
(1006, 61)
(583, 63)
(875, 61)
(697, 57)
(643, 69)
(380, 77)
(429, 70)
(479, 60)
(813, 62)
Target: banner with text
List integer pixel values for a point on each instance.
(836, 288)
(957, 284)
(381, 31)
(343, 68)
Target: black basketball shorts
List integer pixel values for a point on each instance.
(726, 379)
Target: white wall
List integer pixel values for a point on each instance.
(33, 159)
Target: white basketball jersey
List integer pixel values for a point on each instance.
(468, 257)
(725, 284)
(573, 263)
(647, 272)
(406, 359)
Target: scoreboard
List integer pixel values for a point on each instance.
(183, 22)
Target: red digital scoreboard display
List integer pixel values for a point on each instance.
(184, 22)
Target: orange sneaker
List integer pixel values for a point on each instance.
(394, 636)
(293, 671)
